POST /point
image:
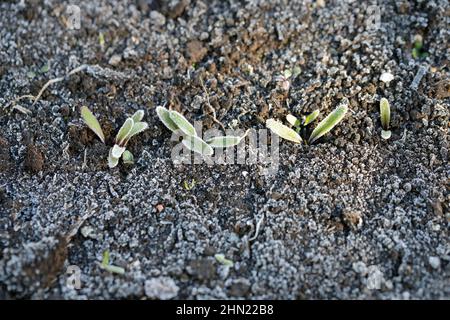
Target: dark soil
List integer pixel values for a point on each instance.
(349, 211)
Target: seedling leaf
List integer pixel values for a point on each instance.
(386, 134)
(222, 260)
(329, 122)
(283, 131)
(196, 144)
(127, 157)
(182, 123)
(138, 116)
(138, 127)
(385, 113)
(311, 117)
(293, 120)
(92, 122)
(124, 131)
(111, 268)
(226, 141)
(116, 151)
(164, 116)
(112, 161)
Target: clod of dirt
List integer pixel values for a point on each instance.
(352, 219)
(195, 51)
(34, 159)
(202, 269)
(178, 9)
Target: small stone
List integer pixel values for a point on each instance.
(115, 60)
(195, 51)
(159, 207)
(407, 187)
(157, 18)
(386, 77)
(162, 288)
(434, 262)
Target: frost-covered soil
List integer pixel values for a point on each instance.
(352, 216)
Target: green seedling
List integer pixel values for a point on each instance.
(108, 267)
(418, 50)
(385, 116)
(322, 128)
(189, 186)
(222, 260)
(131, 127)
(329, 122)
(174, 121)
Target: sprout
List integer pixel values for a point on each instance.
(385, 115)
(329, 122)
(293, 121)
(222, 260)
(108, 267)
(311, 117)
(182, 123)
(197, 144)
(92, 122)
(189, 186)
(283, 131)
(226, 141)
(127, 157)
(164, 116)
(174, 121)
(131, 127)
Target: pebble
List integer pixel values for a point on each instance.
(434, 262)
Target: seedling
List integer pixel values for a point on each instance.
(174, 121)
(109, 267)
(222, 260)
(286, 76)
(322, 128)
(189, 186)
(385, 116)
(418, 50)
(131, 127)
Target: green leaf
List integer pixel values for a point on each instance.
(112, 162)
(164, 116)
(105, 260)
(287, 73)
(127, 157)
(196, 144)
(114, 269)
(385, 113)
(226, 141)
(138, 127)
(182, 123)
(329, 122)
(92, 122)
(124, 131)
(116, 151)
(311, 117)
(293, 120)
(386, 134)
(283, 131)
(138, 116)
(222, 260)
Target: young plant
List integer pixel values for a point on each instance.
(385, 116)
(131, 127)
(285, 77)
(322, 128)
(109, 267)
(174, 121)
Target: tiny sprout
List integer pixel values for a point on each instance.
(108, 267)
(127, 157)
(131, 127)
(92, 122)
(283, 131)
(189, 186)
(329, 122)
(418, 50)
(385, 115)
(222, 260)
(311, 117)
(197, 144)
(182, 123)
(164, 116)
(293, 121)
(226, 141)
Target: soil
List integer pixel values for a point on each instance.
(339, 216)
